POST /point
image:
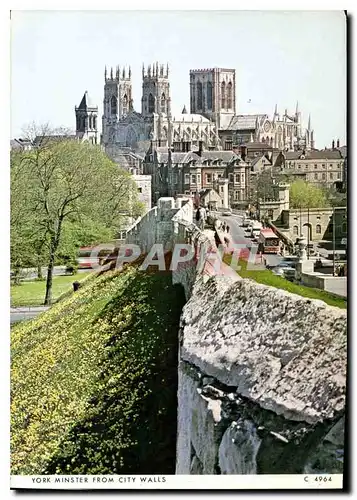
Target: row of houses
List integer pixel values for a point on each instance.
(232, 174)
(190, 171)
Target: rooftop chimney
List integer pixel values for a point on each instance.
(333, 144)
(338, 143)
(200, 148)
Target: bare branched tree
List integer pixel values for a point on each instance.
(63, 179)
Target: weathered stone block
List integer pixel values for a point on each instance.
(238, 449)
(285, 352)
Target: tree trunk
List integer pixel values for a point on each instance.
(53, 249)
(39, 271)
(48, 297)
(17, 273)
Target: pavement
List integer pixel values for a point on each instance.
(30, 273)
(25, 313)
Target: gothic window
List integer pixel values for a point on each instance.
(229, 96)
(199, 95)
(131, 138)
(163, 103)
(125, 104)
(318, 229)
(78, 123)
(83, 123)
(90, 122)
(114, 105)
(151, 103)
(209, 95)
(223, 95)
(295, 230)
(94, 122)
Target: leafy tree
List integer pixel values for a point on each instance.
(65, 193)
(263, 184)
(336, 198)
(306, 195)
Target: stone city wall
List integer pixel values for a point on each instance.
(262, 372)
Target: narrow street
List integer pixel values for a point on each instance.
(240, 236)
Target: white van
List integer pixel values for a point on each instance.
(255, 229)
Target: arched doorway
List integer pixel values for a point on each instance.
(307, 231)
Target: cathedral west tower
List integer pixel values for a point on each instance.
(156, 90)
(117, 100)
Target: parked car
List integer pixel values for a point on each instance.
(227, 213)
(246, 222)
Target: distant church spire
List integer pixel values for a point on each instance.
(297, 108)
(184, 111)
(309, 124)
(275, 113)
(105, 73)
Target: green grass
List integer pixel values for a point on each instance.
(32, 293)
(94, 379)
(266, 277)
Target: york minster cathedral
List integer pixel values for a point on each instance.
(211, 122)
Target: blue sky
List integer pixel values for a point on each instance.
(280, 57)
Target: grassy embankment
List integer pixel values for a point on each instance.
(266, 277)
(32, 293)
(94, 380)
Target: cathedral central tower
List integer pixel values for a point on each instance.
(213, 93)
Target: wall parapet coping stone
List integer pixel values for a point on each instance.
(271, 354)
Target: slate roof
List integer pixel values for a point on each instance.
(176, 157)
(42, 139)
(257, 145)
(257, 158)
(190, 117)
(226, 156)
(243, 122)
(19, 143)
(324, 154)
(87, 102)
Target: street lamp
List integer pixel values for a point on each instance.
(333, 241)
